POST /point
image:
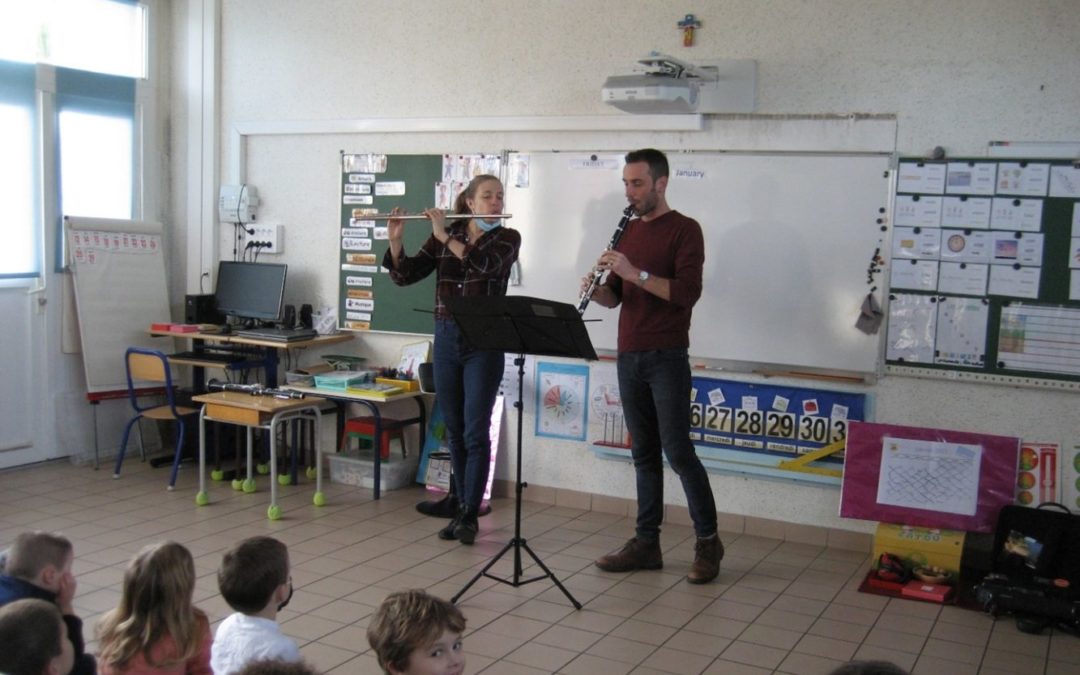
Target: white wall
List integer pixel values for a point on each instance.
(956, 74)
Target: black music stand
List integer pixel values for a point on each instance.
(523, 325)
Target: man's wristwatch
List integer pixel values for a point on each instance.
(642, 277)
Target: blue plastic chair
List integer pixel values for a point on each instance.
(150, 365)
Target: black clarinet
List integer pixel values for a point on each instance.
(253, 389)
(583, 302)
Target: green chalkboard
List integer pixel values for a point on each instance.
(999, 293)
(368, 300)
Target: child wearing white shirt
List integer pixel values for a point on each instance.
(254, 579)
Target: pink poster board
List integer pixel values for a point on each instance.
(890, 497)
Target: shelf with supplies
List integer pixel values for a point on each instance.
(343, 397)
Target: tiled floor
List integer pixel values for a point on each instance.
(777, 607)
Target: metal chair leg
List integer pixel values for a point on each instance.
(176, 454)
(123, 445)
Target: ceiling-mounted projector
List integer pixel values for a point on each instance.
(665, 84)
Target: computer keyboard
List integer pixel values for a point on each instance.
(278, 334)
(215, 357)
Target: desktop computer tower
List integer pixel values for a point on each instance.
(201, 309)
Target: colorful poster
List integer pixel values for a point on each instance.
(1069, 478)
(1037, 474)
(561, 391)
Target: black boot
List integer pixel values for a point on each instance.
(467, 525)
(440, 508)
(449, 533)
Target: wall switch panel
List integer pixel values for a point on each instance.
(273, 236)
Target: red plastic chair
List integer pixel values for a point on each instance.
(364, 427)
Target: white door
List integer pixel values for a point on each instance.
(21, 393)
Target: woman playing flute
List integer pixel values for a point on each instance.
(470, 257)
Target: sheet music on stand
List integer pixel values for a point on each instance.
(522, 325)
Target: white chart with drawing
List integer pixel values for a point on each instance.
(929, 475)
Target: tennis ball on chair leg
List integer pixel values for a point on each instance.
(237, 484)
(320, 499)
(202, 499)
(217, 474)
(249, 485)
(310, 472)
(262, 469)
(274, 512)
(284, 479)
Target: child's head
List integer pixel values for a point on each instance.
(34, 638)
(40, 558)
(155, 601)
(277, 667)
(414, 633)
(159, 581)
(254, 576)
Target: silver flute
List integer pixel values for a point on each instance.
(419, 216)
(586, 296)
(253, 389)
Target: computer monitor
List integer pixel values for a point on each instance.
(250, 291)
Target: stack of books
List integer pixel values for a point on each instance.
(373, 389)
(341, 380)
(175, 327)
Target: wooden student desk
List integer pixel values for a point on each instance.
(268, 358)
(343, 398)
(258, 412)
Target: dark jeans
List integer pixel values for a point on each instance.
(466, 382)
(655, 391)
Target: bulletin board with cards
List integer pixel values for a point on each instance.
(984, 270)
(375, 183)
(777, 420)
(750, 428)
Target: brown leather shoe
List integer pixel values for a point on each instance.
(636, 555)
(707, 555)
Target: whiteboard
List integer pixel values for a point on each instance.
(788, 242)
(118, 270)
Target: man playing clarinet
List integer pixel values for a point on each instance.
(655, 275)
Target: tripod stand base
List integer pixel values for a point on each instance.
(517, 544)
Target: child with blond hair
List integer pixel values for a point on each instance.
(156, 630)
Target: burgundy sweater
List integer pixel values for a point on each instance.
(672, 247)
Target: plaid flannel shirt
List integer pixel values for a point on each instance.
(484, 270)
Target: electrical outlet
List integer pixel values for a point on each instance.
(271, 235)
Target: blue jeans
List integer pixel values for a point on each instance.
(655, 391)
(466, 384)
